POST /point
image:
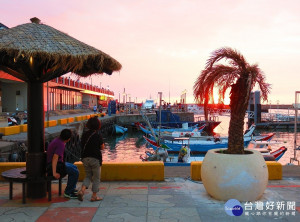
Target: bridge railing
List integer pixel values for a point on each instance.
(277, 117)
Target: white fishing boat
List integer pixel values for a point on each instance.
(267, 149)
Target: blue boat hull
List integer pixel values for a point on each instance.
(200, 147)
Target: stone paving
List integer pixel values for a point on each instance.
(175, 199)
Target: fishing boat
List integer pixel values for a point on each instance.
(263, 137)
(193, 131)
(120, 129)
(154, 145)
(167, 119)
(265, 147)
(170, 158)
(204, 143)
(161, 153)
(201, 146)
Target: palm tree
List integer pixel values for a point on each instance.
(241, 77)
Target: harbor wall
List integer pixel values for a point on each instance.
(127, 120)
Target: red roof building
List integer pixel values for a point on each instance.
(59, 94)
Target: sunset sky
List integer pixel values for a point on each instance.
(163, 44)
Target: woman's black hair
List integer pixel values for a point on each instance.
(65, 134)
(93, 123)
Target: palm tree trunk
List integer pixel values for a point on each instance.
(236, 136)
(239, 99)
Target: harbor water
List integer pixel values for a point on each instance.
(129, 147)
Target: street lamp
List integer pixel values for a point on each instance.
(160, 99)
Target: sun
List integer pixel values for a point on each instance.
(216, 97)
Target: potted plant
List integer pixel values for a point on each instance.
(233, 173)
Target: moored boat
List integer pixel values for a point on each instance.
(204, 143)
(160, 153)
(193, 131)
(167, 119)
(265, 147)
(120, 129)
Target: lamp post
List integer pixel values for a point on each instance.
(183, 98)
(277, 110)
(129, 108)
(270, 115)
(47, 102)
(124, 94)
(160, 97)
(296, 106)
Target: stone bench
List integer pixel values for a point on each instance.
(19, 175)
(133, 171)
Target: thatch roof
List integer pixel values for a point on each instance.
(3, 26)
(34, 47)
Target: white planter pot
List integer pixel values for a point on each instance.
(233, 176)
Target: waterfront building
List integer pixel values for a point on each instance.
(63, 94)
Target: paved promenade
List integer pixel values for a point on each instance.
(175, 199)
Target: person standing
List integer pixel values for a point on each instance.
(58, 168)
(95, 109)
(91, 145)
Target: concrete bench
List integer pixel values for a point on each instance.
(133, 171)
(19, 175)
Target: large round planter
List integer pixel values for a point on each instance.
(233, 176)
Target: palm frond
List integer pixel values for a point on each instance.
(238, 75)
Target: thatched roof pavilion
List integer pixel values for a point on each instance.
(37, 53)
(56, 53)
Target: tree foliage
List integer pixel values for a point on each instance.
(227, 68)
